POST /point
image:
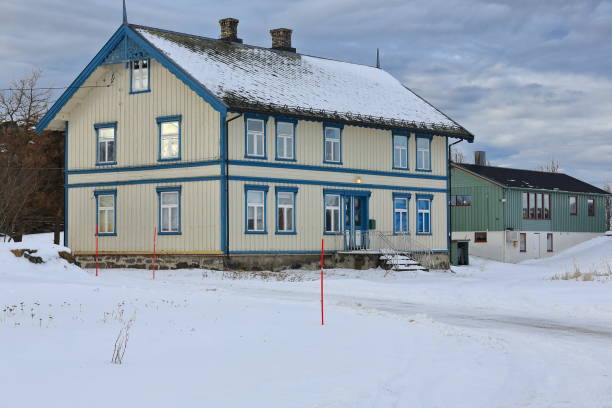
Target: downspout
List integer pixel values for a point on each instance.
(448, 195)
(225, 175)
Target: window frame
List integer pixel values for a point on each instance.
(340, 128)
(97, 195)
(167, 119)
(260, 188)
(396, 135)
(131, 68)
(293, 191)
(569, 202)
(477, 240)
(523, 242)
(416, 149)
(160, 191)
(589, 213)
(97, 127)
(293, 123)
(424, 197)
(264, 120)
(550, 238)
(401, 196)
(537, 202)
(340, 215)
(454, 201)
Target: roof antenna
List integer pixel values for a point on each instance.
(377, 58)
(124, 13)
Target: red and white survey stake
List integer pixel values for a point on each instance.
(322, 265)
(97, 249)
(154, 265)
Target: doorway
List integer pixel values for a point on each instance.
(356, 222)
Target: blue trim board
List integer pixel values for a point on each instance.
(148, 181)
(165, 119)
(131, 68)
(286, 189)
(66, 182)
(148, 167)
(402, 174)
(167, 189)
(97, 127)
(340, 128)
(97, 195)
(264, 119)
(291, 121)
(307, 252)
(264, 189)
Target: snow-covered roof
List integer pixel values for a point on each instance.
(251, 78)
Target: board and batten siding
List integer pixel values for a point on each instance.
(309, 222)
(137, 209)
(135, 114)
(362, 147)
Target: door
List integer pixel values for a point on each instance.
(355, 222)
(537, 245)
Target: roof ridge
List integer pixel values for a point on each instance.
(515, 168)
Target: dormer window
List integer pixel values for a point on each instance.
(139, 76)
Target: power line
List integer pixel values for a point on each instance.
(55, 88)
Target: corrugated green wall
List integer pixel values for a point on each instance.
(486, 211)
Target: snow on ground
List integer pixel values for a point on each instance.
(489, 335)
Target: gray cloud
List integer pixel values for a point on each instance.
(531, 79)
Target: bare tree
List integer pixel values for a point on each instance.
(608, 203)
(457, 156)
(553, 166)
(24, 103)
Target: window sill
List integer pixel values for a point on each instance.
(256, 157)
(256, 232)
(400, 168)
(285, 160)
(401, 233)
(169, 160)
(332, 233)
(169, 233)
(286, 233)
(423, 233)
(139, 92)
(424, 170)
(107, 234)
(113, 163)
(337, 163)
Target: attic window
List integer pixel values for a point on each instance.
(139, 76)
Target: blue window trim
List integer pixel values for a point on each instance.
(97, 127)
(97, 194)
(339, 193)
(264, 118)
(428, 197)
(256, 187)
(340, 127)
(130, 67)
(165, 119)
(406, 196)
(286, 189)
(292, 121)
(160, 190)
(407, 136)
(416, 151)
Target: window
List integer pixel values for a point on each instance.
(532, 201)
(480, 237)
(256, 209)
(400, 151)
(460, 200)
(573, 205)
(536, 206)
(106, 134)
(332, 213)
(169, 210)
(256, 138)
(539, 206)
(424, 214)
(546, 207)
(139, 74)
(285, 210)
(591, 207)
(525, 200)
(400, 213)
(169, 138)
(333, 145)
(423, 152)
(285, 140)
(105, 215)
(523, 242)
(549, 242)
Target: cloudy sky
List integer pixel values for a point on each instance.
(532, 79)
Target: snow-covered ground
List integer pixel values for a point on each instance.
(488, 335)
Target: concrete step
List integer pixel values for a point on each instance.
(402, 262)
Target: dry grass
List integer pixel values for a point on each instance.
(281, 276)
(597, 272)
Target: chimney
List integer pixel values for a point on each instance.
(480, 158)
(281, 39)
(229, 30)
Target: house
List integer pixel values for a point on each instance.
(511, 215)
(232, 155)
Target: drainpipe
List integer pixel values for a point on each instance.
(448, 211)
(226, 176)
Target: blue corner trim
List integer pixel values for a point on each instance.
(223, 185)
(165, 189)
(97, 194)
(165, 119)
(256, 187)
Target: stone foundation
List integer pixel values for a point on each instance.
(249, 262)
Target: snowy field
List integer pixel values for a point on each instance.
(488, 335)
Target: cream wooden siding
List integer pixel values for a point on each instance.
(137, 215)
(135, 114)
(145, 175)
(362, 148)
(309, 219)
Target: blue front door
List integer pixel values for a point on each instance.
(355, 221)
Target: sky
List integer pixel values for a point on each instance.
(531, 79)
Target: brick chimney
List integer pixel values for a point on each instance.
(281, 39)
(229, 30)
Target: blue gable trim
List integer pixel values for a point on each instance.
(119, 35)
(126, 50)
